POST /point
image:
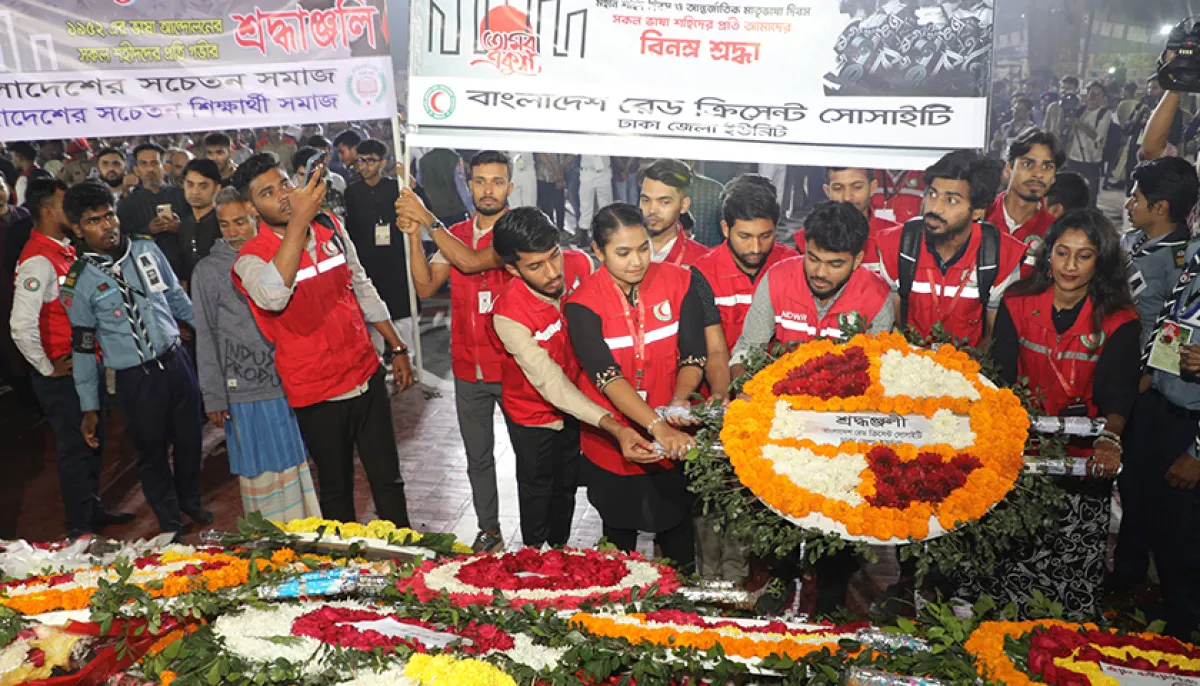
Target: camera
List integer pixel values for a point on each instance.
(1071, 106)
(1183, 72)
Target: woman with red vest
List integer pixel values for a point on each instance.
(638, 329)
(542, 403)
(1072, 330)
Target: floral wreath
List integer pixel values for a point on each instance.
(875, 491)
(746, 639)
(1067, 653)
(379, 530)
(562, 579)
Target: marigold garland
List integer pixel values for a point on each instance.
(667, 628)
(997, 419)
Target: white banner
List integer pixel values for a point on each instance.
(770, 82)
(150, 101)
(1136, 677)
(833, 428)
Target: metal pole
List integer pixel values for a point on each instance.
(404, 153)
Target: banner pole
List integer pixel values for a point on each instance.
(404, 155)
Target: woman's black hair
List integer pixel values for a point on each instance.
(613, 217)
(1109, 287)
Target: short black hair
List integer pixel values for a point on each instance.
(204, 167)
(85, 197)
(1070, 190)
(348, 138)
(613, 217)
(254, 166)
(1073, 80)
(39, 192)
(673, 173)
(490, 157)
(837, 227)
(218, 139)
(373, 147)
(523, 229)
(1130, 88)
(747, 201)
(1096, 84)
(830, 170)
(318, 141)
(1027, 101)
(111, 151)
(162, 152)
(25, 149)
(301, 157)
(1032, 136)
(967, 165)
(1169, 179)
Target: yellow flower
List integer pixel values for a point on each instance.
(444, 670)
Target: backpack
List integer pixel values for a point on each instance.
(1112, 144)
(987, 262)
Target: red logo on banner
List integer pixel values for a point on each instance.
(510, 47)
(124, 3)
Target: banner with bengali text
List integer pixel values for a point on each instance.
(820, 82)
(72, 68)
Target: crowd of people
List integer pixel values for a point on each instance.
(263, 287)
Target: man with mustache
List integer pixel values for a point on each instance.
(477, 277)
(1033, 161)
(110, 164)
(856, 186)
(955, 269)
(665, 185)
(123, 300)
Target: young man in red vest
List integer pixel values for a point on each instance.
(897, 195)
(822, 294)
(542, 403)
(1033, 161)
(310, 294)
(465, 257)
(664, 199)
(42, 332)
(856, 186)
(946, 268)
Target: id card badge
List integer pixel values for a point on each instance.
(485, 302)
(151, 274)
(383, 234)
(1164, 354)
(886, 213)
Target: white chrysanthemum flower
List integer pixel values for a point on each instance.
(526, 652)
(918, 376)
(836, 478)
(951, 429)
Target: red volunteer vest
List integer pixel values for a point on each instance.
(685, 252)
(520, 399)
(1067, 378)
(899, 192)
(657, 320)
(1030, 233)
(951, 298)
(732, 287)
(322, 349)
(53, 325)
(870, 248)
(796, 318)
(472, 297)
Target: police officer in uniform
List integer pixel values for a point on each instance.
(123, 299)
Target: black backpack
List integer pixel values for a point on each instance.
(987, 262)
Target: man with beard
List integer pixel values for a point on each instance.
(856, 186)
(542, 405)
(310, 296)
(177, 161)
(1033, 161)
(199, 229)
(154, 208)
(43, 333)
(955, 269)
(110, 164)
(477, 276)
(664, 198)
(217, 147)
(123, 300)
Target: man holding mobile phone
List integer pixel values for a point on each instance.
(154, 208)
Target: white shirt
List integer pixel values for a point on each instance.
(1083, 147)
(36, 284)
(661, 255)
(593, 163)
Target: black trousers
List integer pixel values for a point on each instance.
(678, 543)
(553, 201)
(332, 430)
(1163, 433)
(161, 402)
(547, 478)
(78, 464)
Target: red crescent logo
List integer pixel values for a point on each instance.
(433, 102)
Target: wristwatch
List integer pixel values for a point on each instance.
(437, 225)
(389, 355)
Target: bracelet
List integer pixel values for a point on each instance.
(650, 426)
(1111, 435)
(1108, 439)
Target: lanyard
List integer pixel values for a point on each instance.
(1068, 387)
(937, 296)
(637, 331)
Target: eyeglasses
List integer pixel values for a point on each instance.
(369, 160)
(92, 222)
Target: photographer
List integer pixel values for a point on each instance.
(1087, 129)
(1067, 102)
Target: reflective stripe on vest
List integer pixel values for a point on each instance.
(548, 332)
(734, 300)
(947, 291)
(792, 325)
(651, 337)
(1065, 355)
(321, 267)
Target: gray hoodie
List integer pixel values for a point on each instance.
(236, 363)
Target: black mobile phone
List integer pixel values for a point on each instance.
(319, 158)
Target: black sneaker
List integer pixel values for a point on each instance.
(488, 543)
